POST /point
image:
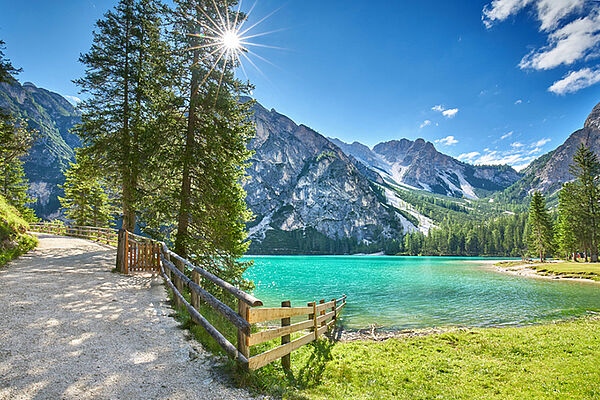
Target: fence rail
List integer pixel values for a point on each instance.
(103, 235)
(140, 254)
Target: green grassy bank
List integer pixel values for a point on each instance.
(571, 270)
(562, 269)
(547, 361)
(14, 239)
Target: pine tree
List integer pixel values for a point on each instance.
(568, 235)
(586, 198)
(204, 196)
(127, 76)
(540, 234)
(87, 200)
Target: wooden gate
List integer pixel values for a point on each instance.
(140, 254)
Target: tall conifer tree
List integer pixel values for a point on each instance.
(540, 234)
(586, 194)
(126, 71)
(209, 165)
(88, 200)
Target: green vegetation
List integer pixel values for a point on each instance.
(165, 129)
(15, 141)
(579, 207)
(570, 270)
(14, 240)
(502, 236)
(311, 241)
(555, 360)
(540, 235)
(87, 201)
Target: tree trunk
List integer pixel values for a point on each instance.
(183, 220)
(127, 191)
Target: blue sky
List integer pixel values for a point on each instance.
(471, 76)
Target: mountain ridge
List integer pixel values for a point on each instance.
(53, 116)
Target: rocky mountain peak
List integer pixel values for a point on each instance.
(593, 120)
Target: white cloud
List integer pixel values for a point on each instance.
(575, 80)
(72, 99)
(448, 141)
(571, 43)
(573, 34)
(536, 150)
(506, 135)
(516, 145)
(446, 112)
(468, 156)
(450, 113)
(540, 142)
(519, 101)
(548, 12)
(424, 124)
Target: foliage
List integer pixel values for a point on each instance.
(127, 78)
(502, 236)
(566, 227)
(88, 200)
(201, 164)
(579, 208)
(14, 239)
(7, 70)
(15, 141)
(540, 234)
(311, 241)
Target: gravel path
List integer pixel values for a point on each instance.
(71, 329)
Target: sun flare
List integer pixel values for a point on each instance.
(231, 41)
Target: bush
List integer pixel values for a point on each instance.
(14, 239)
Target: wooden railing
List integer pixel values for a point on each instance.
(103, 235)
(139, 254)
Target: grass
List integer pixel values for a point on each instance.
(563, 269)
(14, 239)
(548, 361)
(567, 269)
(539, 362)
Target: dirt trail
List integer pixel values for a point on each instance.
(71, 329)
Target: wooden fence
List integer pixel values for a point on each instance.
(139, 254)
(103, 235)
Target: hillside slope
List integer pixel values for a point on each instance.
(302, 187)
(550, 171)
(53, 116)
(14, 239)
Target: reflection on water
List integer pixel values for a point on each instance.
(419, 292)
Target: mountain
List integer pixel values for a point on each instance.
(550, 171)
(53, 116)
(418, 165)
(305, 191)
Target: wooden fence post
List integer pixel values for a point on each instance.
(322, 301)
(119, 265)
(286, 361)
(242, 338)
(178, 284)
(194, 295)
(126, 252)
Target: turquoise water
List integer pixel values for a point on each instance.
(419, 292)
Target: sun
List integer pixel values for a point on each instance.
(231, 41)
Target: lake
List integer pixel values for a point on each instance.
(419, 292)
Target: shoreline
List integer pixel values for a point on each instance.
(525, 270)
(372, 334)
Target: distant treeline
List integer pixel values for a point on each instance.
(502, 237)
